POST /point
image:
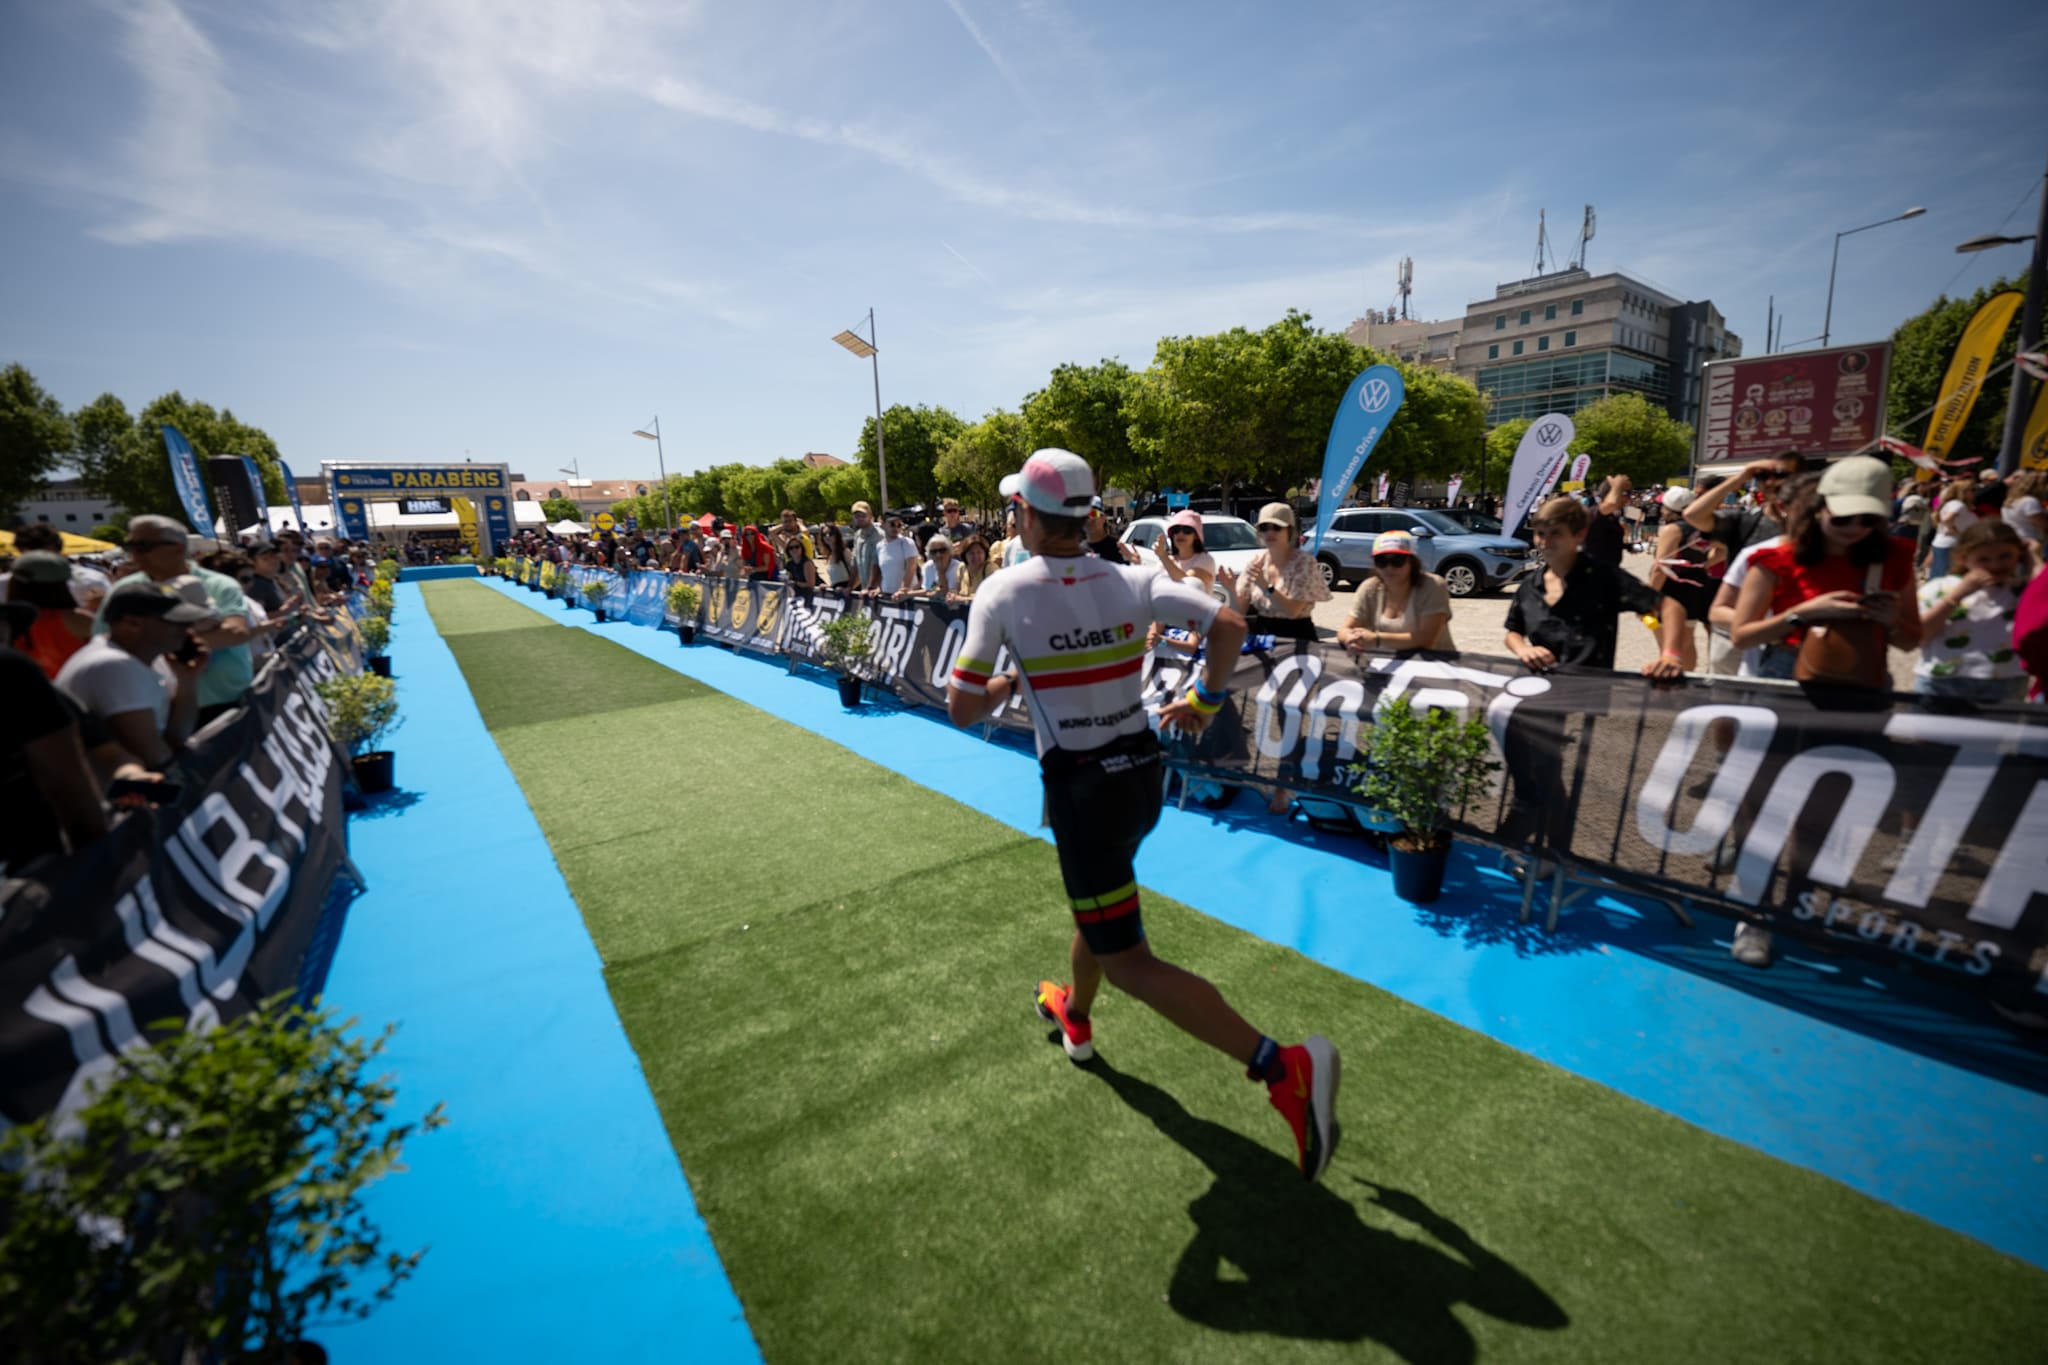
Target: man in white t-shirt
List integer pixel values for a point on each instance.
(894, 556)
(141, 678)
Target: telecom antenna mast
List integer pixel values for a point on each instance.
(1542, 243)
(1404, 283)
(1585, 236)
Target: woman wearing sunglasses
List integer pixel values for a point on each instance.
(1180, 551)
(1827, 602)
(1399, 607)
(1280, 587)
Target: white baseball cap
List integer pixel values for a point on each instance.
(1856, 487)
(1057, 482)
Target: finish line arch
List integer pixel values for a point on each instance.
(484, 490)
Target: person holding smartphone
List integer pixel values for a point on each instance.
(141, 679)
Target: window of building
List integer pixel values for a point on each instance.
(1493, 351)
(1578, 307)
(1525, 317)
(1550, 312)
(1571, 338)
(1542, 343)
(1500, 320)
(522, 496)
(1518, 348)
(554, 492)
(71, 516)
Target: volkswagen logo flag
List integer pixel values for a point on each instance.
(1369, 404)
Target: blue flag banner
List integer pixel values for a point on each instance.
(291, 486)
(185, 474)
(1369, 404)
(262, 498)
(498, 522)
(351, 516)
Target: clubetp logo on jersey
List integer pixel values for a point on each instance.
(1090, 639)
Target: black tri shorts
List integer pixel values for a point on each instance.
(1102, 804)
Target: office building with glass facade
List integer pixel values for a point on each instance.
(1558, 342)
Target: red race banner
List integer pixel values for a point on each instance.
(1820, 402)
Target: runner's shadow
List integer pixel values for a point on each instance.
(1275, 1254)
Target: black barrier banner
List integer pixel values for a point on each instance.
(196, 910)
(1909, 832)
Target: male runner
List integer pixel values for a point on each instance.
(1077, 625)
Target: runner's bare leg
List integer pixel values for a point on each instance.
(1183, 998)
(1087, 977)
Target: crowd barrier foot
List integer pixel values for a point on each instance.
(1568, 882)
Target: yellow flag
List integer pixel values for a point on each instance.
(465, 523)
(1966, 373)
(2034, 443)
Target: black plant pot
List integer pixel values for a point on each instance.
(380, 664)
(374, 771)
(849, 691)
(600, 614)
(1419, 876)
(687, 633)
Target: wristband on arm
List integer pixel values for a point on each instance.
(1211, 698)
(1206, 708)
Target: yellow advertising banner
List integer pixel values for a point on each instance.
(465, 522)
(2034, 442)
(1965, 375)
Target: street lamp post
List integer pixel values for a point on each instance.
(853, 341)
(660, 462)
(1828, 318)
(2017, 407)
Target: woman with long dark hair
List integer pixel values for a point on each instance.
(839, 568)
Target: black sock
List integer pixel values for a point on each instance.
(1074, 1018)
(1266, 1064)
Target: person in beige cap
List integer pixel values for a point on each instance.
(867, 549)
(1280, 587)
(1838, 573)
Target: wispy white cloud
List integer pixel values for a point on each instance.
(995, 58)
(969, 264)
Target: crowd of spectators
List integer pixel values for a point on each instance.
(110, 666)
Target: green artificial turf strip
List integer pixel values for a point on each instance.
(894, 1164)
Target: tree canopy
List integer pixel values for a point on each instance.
(34, 437)
(1626, 434)
(1086, 409)
(977, 460)
(913, 439)
(124, 459)
(560, 509)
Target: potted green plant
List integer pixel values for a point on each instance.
(362, 709)
(387, 570)
(383, 597)
(376, 633)
(849, 640)
(502, 566)
(594, 592)
(1420, 768)
(206, 1202)
(682, 600)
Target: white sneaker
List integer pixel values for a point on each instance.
(1752, 946)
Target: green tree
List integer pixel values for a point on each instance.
(34, 436)
(1921, 351)
(127, 463)
(844, 485)
(913, 438)
(1194, 412)
(1626, 434)
(1501, 444)
(1084, 408)
(977, 460)
(560, 509)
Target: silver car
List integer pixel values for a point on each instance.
(1467, 562)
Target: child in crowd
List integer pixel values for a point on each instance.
(1966, 649)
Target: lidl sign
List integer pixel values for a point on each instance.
(408, 478)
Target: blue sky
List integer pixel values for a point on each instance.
(419, 228)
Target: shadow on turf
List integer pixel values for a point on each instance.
(1311, 1267)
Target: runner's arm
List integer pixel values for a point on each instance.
(974, 690)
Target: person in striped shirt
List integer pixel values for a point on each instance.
(1076, 624)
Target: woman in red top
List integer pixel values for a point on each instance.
(1822, 572)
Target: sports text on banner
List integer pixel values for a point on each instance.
(1580, 464)
(1369, 404)
(291, 487)
(262, 498)
(2034, 443)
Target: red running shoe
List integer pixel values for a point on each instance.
(1307, 1098)
(1077, 1039)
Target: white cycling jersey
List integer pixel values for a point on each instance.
(1077, 625)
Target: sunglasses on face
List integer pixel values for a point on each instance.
(1868, 521)
(1267, 528)
(138, 546)
(1389, 561)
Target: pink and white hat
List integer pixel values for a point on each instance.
(1058, 482)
